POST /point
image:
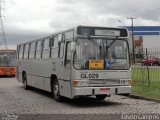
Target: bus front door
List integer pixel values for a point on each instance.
(64, 71)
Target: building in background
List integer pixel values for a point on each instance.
(150, 35)
(144, 37)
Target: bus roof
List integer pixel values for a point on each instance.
(90, 31)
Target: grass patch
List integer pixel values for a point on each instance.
(142, 74)
(151, 92)
(146, 83)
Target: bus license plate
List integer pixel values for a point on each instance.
(105, 90)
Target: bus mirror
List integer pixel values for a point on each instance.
(73, 46)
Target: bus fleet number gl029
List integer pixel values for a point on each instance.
(90, 75)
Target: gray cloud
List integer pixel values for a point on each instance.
(23, 36)
(124, 8)
(56, 15)
(101, 12)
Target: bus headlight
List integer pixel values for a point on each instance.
(80, 83)
(125, 82)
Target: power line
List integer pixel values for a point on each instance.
(2, 32)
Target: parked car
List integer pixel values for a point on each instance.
(151, 60)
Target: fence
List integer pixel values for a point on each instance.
(146, 68)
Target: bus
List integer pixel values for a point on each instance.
(7, 62)
(81, 61)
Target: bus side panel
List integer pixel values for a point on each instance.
(19, 77)
(47, 85)
(41, 72)
(65, 88)
(68, 89)
(34, 79)
(29, 79)
(25, 67)
(62, 87)
(19, 71)
(38, 73)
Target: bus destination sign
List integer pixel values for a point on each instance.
(102, 31)
(107, 32)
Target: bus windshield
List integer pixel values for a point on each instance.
(98, 53)
(7, 59)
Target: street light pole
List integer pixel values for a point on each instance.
(133, 52)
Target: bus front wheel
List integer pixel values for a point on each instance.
(101, 97)
(56, 90)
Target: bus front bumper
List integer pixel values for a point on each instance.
(80, 91)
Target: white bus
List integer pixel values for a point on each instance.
(82, 61)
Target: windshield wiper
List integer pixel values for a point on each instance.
(108, 46)
(110, 43)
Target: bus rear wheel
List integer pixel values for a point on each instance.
(101, 97)
(26, 87)
(56, 90)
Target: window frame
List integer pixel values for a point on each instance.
(30, 44)
(40, 56)
(46, 48)
(54, 47)
(59, 50)
(66, 53)
(21, 51)
(25, 56)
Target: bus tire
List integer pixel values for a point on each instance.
(26, 87)
(101, 97)
(56, 90)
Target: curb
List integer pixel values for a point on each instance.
(144, 98)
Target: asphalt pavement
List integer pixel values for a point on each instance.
(15, 100)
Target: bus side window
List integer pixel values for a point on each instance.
(51, 42)
(61, 49)
(54, 48)
(21, 51)
(26, 48)
(32, 50)
(46, 49)
(38, 50)
(68, 54)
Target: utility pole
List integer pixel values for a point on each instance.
(133, 52)
(2, 32)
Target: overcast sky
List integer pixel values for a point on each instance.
(29, 19)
